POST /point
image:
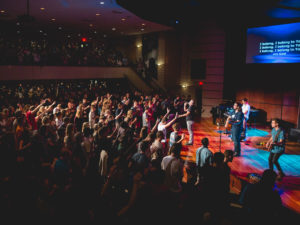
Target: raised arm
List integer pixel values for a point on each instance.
(172, 121)
(165, 116)
(86, 107)
(119, 115)
(38, 107)
(181, 139)
(155, 126)
(185, 114)
(45, 111)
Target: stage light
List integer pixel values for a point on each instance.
(200, 83)
(83, 39)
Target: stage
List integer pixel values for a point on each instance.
(253, 159)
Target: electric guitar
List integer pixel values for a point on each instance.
(271, 146)
(275, 143)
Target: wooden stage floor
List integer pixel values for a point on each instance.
(253, 159)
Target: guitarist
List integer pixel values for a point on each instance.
(276, 146)
(236, 121)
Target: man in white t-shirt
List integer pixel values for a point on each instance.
(246, 112)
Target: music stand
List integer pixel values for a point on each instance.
(220, 132)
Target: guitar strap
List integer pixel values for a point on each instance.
(277, 135)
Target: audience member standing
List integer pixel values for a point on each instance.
(190, 120)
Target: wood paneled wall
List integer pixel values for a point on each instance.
(206, 42)
(277, 104)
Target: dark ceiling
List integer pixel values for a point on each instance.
(100, 16)
(228, 13)
(131, 17)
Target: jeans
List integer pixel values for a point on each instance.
(273, 159)
(244, 128)
(236, 138)
(189, 124)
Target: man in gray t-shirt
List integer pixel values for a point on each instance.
(189, 108)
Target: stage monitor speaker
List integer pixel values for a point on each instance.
(198, 69)
(294, 134)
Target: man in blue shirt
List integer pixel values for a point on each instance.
(204, 158)
(236, 121)
(276, 146)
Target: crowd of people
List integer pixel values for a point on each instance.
(88, 152)
(66, 52)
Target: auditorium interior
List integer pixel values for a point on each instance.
(93, 93)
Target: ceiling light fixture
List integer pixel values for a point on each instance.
(143, 24)
(123, 19)
(101, 3)
(2, 11)
(184, 85)
(91, 25)
(98, 14)
(113, 28)
(53, 19)
(42, 8)
(142, 29)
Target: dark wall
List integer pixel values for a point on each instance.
(273, 88)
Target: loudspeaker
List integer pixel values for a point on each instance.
(198, 69)
(294, 134)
